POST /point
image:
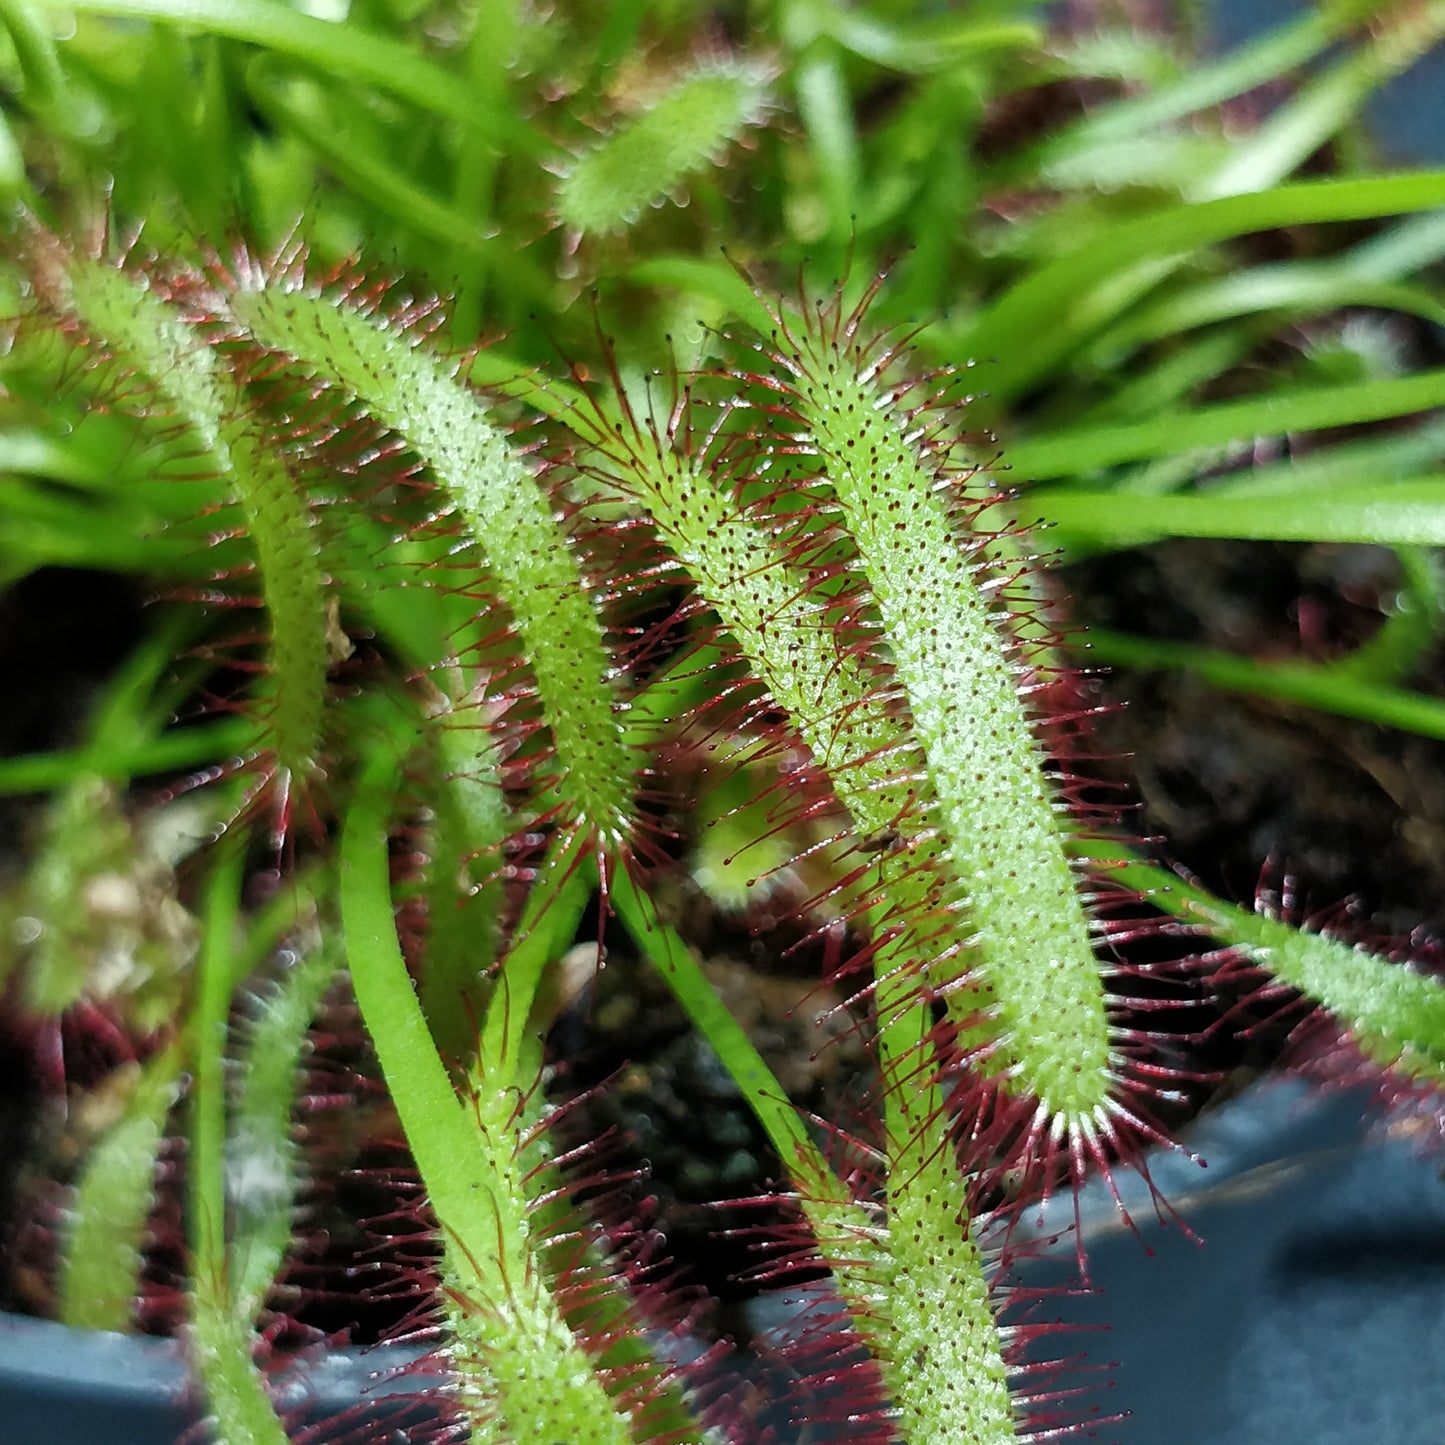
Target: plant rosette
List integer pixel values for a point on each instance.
(789, 571)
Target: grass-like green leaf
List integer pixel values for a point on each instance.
(1326, 103)
(1294, 288)
(343, 50)
(1073, 453)
(1403, 512)
(172, 752)
(1115, 127)
(294, 106)
(1038, 321)
(1336, 689)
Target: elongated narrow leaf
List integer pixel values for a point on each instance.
(1074, 453)
(1334, 689)
(1410, 511)
(1048, 312)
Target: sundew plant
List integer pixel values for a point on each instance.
(565, 484)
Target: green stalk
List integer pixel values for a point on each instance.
(822, 1195)
(221, 1338)
(524, 1374)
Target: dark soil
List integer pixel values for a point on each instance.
(1246, 792)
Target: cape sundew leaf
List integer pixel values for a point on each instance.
(143, 332)
(101, 1262)
(1397, 1014)
(643, 159)
(955, 661)
(260, 1151)
(418, 395)
(916, 1287)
